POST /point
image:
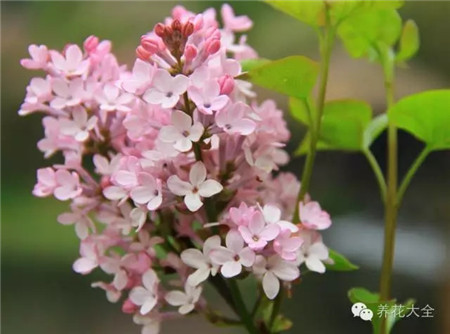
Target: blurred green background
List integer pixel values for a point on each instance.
(41, 294)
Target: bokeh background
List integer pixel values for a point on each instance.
(41, 294)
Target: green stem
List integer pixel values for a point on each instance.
(391, 207)
(276, 308)
(412, 170)
(241, 308)
(378, 173)
(325, 51)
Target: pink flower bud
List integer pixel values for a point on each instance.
(90, 43)
(128, 307)
(212, 46)
(149, 44)
(190, 52)
(142, 54)
(226, 84)
(159, 30)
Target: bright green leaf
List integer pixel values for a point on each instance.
(249, 64)
(310, 12)
(409, 41)
(374, 129)
(343, 126)
(371, 300)
(299, 110)
(341, 263)
(293, 76)
(426, 116)
(370, 29)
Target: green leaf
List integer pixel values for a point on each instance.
(371, 300)
(374, 129)
(309, 12)
(363, 33)
(362, 295)
(299, 110)
(249, 64)
(293, 76)
(343, 127)
(409, 41)
(426, 116)
(341, 263)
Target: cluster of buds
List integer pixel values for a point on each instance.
(169, 167)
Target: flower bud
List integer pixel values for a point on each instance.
(142, 54)
(149, 44)
(226, 84)
(128, 307)
(190, 52)
(90, 43)
(212, 46)
(188, 29)
(159, 30)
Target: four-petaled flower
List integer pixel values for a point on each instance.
(72, 63)
(232, 119)
(166, 89)
(146, 296)
(182, 132)
(79, 126)
(185, 300)
(149, 191)
(196, 188)
(272, 270)
(201, 261)
(208, 98)
(313, 217)
(258, 233)
(234, 256)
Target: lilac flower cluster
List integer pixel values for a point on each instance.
(168, 167)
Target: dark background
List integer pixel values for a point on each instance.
(41, 294)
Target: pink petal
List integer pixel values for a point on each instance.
(231, 269)
(197, 174)
(114, 193)
(179, 84)
(199, 276)
(247, 257)
(84, 265)
(271, 285)
(193, 201)
(176, 298)
(270, 232)
(234, 241)
(209, 188)
(286, 271)
(193, 258)
(221, 255)
(73, 57)
(177, 186)
(314, 264)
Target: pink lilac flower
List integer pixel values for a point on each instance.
(185, 300)
(46, 182)
(111, 98)
(233, 256)
(140, 78)
(166, 90)
(197, 187)
(232, 119)
(208, 98)
(257, 233)
(79, 126)
(149, 191)
(235, 23)
(287, 245)
(71, 63)
(182, 133)
(272, 271)
(313, 217)
(39, 57)
(313, 253)
(81, 221)
(272, 215)
(146, 296)
(67, 185)
(68, 94)
(201, 261)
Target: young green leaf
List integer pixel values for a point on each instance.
(362, 295)
(409, 41)
(343, 127)
(340, 262)
(309, 12)
(249, 64)
(426, 116)
(299, 110)
(370, 29)
(293, 76)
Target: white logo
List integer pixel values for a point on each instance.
(361, 310)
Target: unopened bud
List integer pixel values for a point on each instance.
(190, 52)
(213, 46)
(176, 25)
(188, 29)
(159, 30)
(226, 84)
(90, 43)
(142, 54)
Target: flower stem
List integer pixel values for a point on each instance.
(391, 207)
(325, 51)
(378, 173)
(241, 308)
(412, 170)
